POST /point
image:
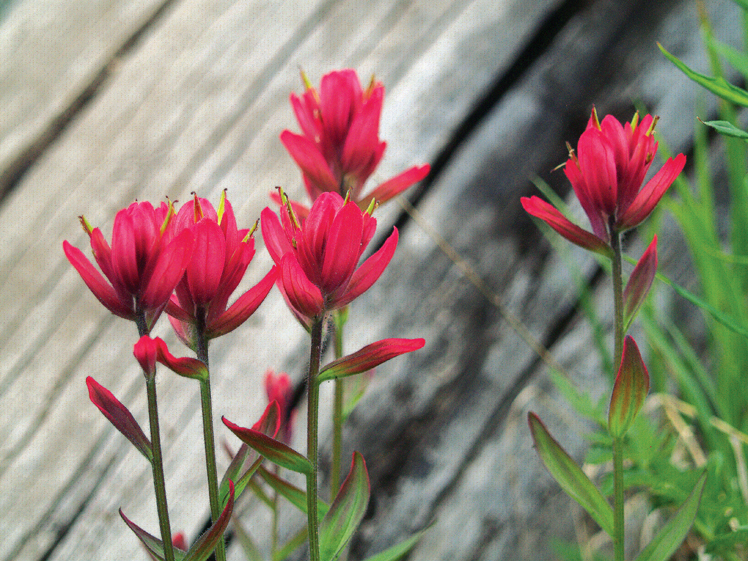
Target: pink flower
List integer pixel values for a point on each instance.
(220, 258)
(318, 260)
(607, 175)
(278, 388)
(339, 147)
(143, 265)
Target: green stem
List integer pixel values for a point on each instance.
(312, 436)
(617, 274)
(337, 416)
(618, 518)
(157, 464)
(274, 528)
(618, 514)
(158, 469)
(208, 437)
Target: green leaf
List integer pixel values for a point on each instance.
(154, 545)
(728, 321)
(204, 546)
(570, 476)
(291, 493)
(674, 532)
(718, 85)
(291, 545)
(629, 390)
(268, 424)
(346, 512)
(727, 128)
(369, 357)
(397, 551)
(275, 451)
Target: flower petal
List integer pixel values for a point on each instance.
(540, 209)
(396, 185)
(301, 293)
(312, 163)
(244, 307)
(368, 273)
(651, 194)
(96, 283)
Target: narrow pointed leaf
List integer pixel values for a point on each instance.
(153, 545)
(369, 357)
(727, 128)
(639, 284)
(294, 495)
(718, 85)
(268, 424)
(275, 451)
(346, 511)
(204, 546)
(671, 536)
(629, 391)
(291, 545)
(570, 476)
(119, 416)
(397, 551)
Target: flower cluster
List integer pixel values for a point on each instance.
(190, 262)
(318, 259)
(606, 173)
(339, 148)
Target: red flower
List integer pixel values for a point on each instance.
(143, 265)
(318, 259)
(607, 176)
(220, 258)
(339, 147)
(278, 388)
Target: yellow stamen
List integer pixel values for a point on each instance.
(221, 206)
(287, 203)
(169, 213)
(635, 121)
(198, 208)
(373, 205)
(654, 123)
(251, 232)
(595, 119)
(86, 226)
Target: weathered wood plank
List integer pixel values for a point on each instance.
(198, 105)
(173, 119)
(55, 54)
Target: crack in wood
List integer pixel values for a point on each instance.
(12, 175)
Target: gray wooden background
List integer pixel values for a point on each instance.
(106, 101)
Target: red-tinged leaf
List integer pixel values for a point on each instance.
(570, 476)
(346, 511)
(369, 357)
(639, 284)
(294, 495)
(672, 534)
(204, 546)
(277, 452)
(153, 545)
(119, 416)
(184, 366)
(629, 391)
(268, 424)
